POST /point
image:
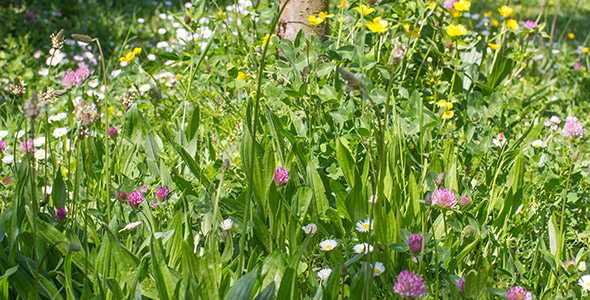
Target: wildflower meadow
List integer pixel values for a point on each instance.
(294, 149)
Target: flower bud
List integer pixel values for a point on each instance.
(439, 179)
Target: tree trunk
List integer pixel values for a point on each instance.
(294, 18)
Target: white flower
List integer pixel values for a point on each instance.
(310, 228)
(188, 5)
(44, 72)
(38, 142)
(162, 16)
(19, 134)
(115, 73)
(162, 31)
(47, 189)
(8, 159)
(323, 274)
(373, 199)
(130, 226)
(364, 226)
(378, 269)
(123, 64)
(584, 282)
(58, 117)
(40, 154)
(362, 248)
(151, 57)
(500, 140)
(538, 144)
(226, 224)
(582, 266)
(3, 134)
(555, 120)
(93, 83)
(59, 132)
(328, 245)
(140, 20)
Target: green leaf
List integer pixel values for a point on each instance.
(242, 289)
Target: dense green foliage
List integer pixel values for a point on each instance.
(159, 175)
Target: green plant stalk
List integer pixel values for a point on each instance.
(253, 136)
(562, 222)
(213, 240)
(107, 180)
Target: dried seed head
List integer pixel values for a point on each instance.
(225, 165)
(18, 89)
(343, 271)
(439, 179)
(428, 198)
(353, 82)
(73, 247)
(575, 156)
(398, 53)
(32, 106)
(49, 96)
(81, 38)
(57, 40)
(127, 101)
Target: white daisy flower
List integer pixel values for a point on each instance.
(364, 226)
(328, 245)
(47, 189)
(38, 142)
(538, 144)
(584, 282)
(310, 228)
(151, 57)
(58, 117)
(555, 120)
(162, 31)
(19, 134)
(226, 224)
(8, 159)
(323, 274)
(93, 83)
(582, 266)
(362, 248)
(59, 132)
(500, 140)
(40, 154)
(378, 269)
(3, 134)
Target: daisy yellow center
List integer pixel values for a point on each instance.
(376, 271)
(587, 285)
(365, 226)
(328, 247)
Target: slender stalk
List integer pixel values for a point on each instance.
(107, 180)
(254, 125)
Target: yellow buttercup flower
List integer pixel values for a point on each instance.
(495, 23)
(127, 58)
(266, 39)
(324, 15)
(364, 10)
(455, 13)
(505, 11)
(412, 31)
(488, 14)
(111, 108)
(585, 50)
(313, 20)
(378, 25)
(456, 30)
(462, 5)
(571, 36)
(432, 5)
(342, 4)
(447, 114)
(494, 46)
(241, 75)
(512, 24)
(136, 50)
(551, 2)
